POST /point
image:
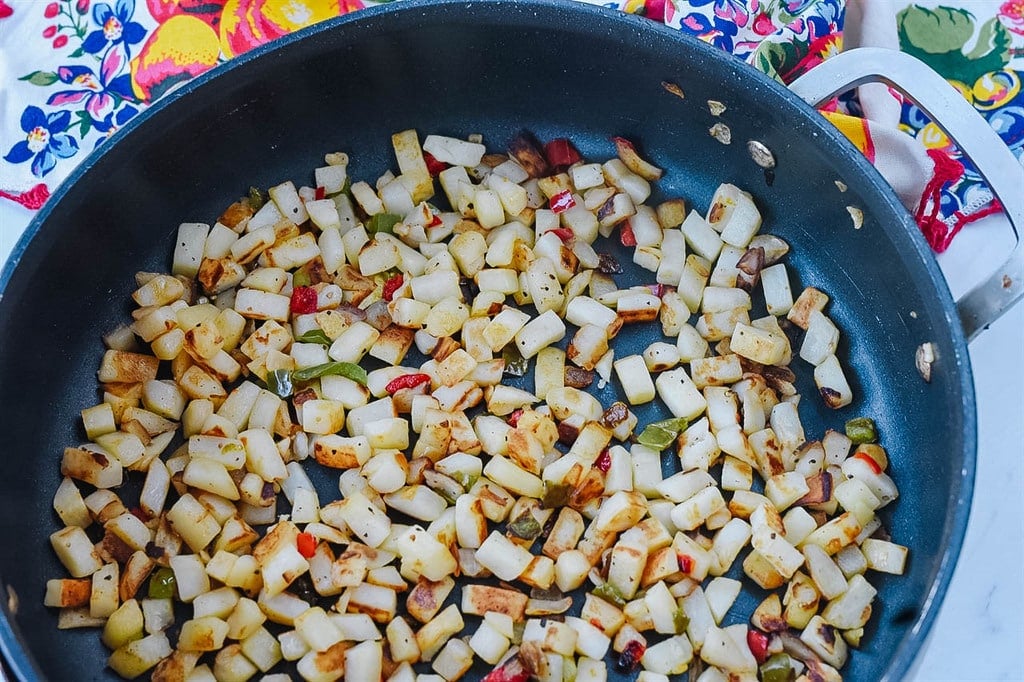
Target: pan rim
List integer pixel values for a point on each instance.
(589, 20)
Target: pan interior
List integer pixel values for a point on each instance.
(494, 68)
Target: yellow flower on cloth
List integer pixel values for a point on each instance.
(178, 50)
(206, 10)
(246, 24)
(855, 129)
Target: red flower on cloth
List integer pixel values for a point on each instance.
(5, 10)
(207, 11)
(1011, 13)
(820, 49)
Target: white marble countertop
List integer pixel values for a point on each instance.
(979, 633)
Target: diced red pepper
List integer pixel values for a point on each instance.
(685, 562)
(563, 233)
(320, 193)
(303, 300)
(604, 461)
(758, 643)
(433, 165)
(869, 460)
(513, 419)
(630, 657)
(306, 544)
(560, 152)
(655, 9)
(512, 671)
(435, 221)
(406, 381)
(391, 286)
(626, 235)
(562, 202)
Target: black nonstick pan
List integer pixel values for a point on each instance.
(558, 69)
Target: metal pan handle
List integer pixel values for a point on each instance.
(987, 301)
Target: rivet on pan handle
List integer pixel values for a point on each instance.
(987, 301)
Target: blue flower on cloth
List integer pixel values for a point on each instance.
(46, 140)
(115, 26)
(99, 92)
(719, 32)
(113, 121)
(736, 11)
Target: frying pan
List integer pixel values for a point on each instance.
(557, 69)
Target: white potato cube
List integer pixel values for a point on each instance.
(635, 379)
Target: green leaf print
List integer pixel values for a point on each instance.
(993, 41)
(776, 59)
(41, 78)
(943, 29)
(938, 38)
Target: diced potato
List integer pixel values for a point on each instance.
(689, 514)
(433, 636)
(202, 634)
(454, 151)
(820, 340)
(758, 345)
(539, 333)
(75, 550)
(680, 394)
(488, 643)
(188, 249)
(705, 242)
(824, 641)
(884, 556)
(353, 343)
(635, 379)
(424, 555)
(138, 656)
(810, 299)
(454, 660)
(832, 383)
(730, 653)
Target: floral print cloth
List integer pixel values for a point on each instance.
(74, 71)
(983, 57)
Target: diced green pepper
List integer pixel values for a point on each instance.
(778, 668)
(555, 496)
(680, 620)
(660, 435)
(161, 584)
(345, 189)
(302, 278)
(344, 369)
(279, 381)
(656, 437)
(465, 479)
(610, 594)
(383, 222)
(526, 526)
(315, 336)
(256, 198)
(515, 364)
(861, 430)
(677, 424)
